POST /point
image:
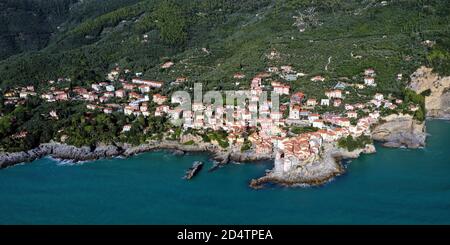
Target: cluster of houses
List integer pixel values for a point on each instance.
(18, 95)
(114, 95)
(133, 97)
(270, 121)
(272, 126)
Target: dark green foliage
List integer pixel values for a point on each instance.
(246, 146)
(220, 136)
(352, 144)
(171, 22)
(418, 99)
(5, 125)
(27, 25)
(439, 56)
(81, 127)
(302, 130)
(34, 119)
(426, 93)
(420, 115)
(190, 142)
(98, 34)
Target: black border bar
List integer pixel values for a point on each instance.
(250, 233)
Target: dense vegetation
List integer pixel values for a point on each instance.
(171, 22)
(439, 57)
(28, 24)
(352, 144)
(238, 35)
(301, 130)
(418, 99)
(78, 127)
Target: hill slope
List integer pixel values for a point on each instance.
(29, 25)
(237, 36)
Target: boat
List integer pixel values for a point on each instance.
(192, 171)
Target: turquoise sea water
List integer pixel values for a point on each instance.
(394, 186)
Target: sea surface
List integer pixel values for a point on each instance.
(393, 186)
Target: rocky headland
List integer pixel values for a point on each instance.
(400, 130)
(315, 171)
(396, 130)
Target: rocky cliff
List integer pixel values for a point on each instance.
(400, 131)
(437, 103)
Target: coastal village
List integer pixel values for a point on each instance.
(232, 112)
(256, 127)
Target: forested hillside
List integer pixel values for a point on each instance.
(27, 25)
(237, 36)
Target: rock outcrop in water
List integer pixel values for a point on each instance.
(315, 172)
(437, 103)
(400, 131)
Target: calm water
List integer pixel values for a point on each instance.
(394, 186)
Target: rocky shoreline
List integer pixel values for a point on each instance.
(76, 154)
(394, 131)
(67, 152)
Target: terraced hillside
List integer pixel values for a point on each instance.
(209, 40)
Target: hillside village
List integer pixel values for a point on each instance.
(294, 133)
(109, 77)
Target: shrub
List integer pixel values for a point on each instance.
(190, 142)
(352, 144)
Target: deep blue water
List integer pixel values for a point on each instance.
(394, 186)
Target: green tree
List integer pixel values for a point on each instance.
(5, 125)
(352, 144)
(419, 115)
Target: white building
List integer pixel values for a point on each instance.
(370, 81)
(318, 124)
(294, 112)
(325, 102)
(110, 88)
(379, 96)
(126, 128)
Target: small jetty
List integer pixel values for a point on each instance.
(192, 171)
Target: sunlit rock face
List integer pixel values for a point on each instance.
(400, 130)
(437, 103)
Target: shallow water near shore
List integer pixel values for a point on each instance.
(393, 186)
